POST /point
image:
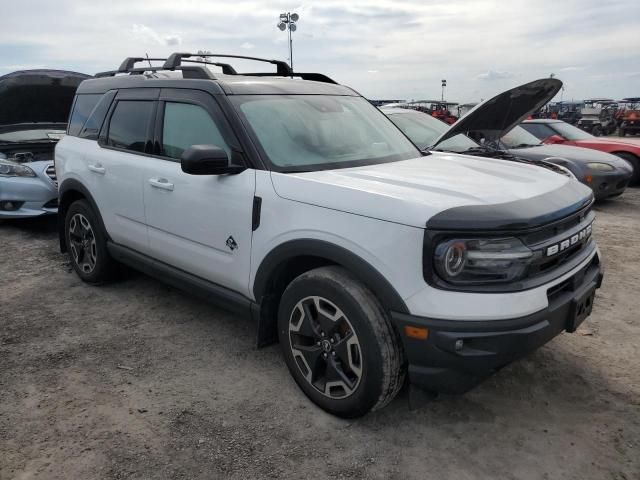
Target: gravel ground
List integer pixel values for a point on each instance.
(139, 380)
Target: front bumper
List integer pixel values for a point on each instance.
(35, 196)
(457, 355)
(609, 184)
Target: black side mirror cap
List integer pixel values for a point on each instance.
(207, 160)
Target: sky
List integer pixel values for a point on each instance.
(383, 49)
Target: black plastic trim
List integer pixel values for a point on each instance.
(197, 286)
(520, 214)
(255, 214)
(373, 279)
(67, 186)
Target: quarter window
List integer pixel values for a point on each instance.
(81, 110)
(185, 125)
(129, 125)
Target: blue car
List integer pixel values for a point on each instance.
(34, 107)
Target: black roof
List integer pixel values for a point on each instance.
(174, 73)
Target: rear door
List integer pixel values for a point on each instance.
(117, 163)
(198, 223)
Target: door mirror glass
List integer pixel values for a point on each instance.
(207, 160)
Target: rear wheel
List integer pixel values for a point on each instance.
(338, 343)
(597, 131)
(635, 163)
(87, 244)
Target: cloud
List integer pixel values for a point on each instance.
(571, 68)
(494, 75)
(247, 45)
(149, 35)
(373, 71)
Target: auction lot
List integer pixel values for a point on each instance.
(139, 380)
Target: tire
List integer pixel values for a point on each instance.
(635, 163)
(596, 131)
(338, 343)
(87, 245)
(621, 132)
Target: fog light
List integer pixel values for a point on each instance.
(459, 344)
(9, 206)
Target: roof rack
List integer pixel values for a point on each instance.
(175, 60)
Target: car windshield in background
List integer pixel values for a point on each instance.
(424, 130)
(317, 132)
(520, 138)
(32, 135)
(570, 132)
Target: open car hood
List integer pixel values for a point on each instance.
(495, 117)
(37, 96)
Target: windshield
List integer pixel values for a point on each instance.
(424, 130)
(32, 135)
(570, 132)
(519, 138)
(319, 132)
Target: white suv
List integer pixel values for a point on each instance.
(298, 202)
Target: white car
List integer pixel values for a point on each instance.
(298, 202)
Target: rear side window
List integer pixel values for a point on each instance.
(186, 125)
(81, 109)
(129, 125)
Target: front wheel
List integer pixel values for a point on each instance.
(338, 343)
(597, 131)
(635, 164)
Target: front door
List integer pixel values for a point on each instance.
(198, 223)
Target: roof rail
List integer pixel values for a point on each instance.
(175, 60)
(130, 62)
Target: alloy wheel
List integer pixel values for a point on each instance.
(82, 242)
(325, 347)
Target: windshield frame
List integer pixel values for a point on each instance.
(237, 100)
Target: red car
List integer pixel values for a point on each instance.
(557, 131)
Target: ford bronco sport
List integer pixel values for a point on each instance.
(291, 198)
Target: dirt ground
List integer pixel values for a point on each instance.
(139, 380)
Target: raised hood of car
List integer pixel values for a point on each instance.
(37, 96)
(411, 192)
(495, 117)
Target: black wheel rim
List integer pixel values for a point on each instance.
(325, 347)
(82, 243)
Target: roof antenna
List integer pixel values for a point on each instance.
(148, 60)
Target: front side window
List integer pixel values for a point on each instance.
(319, 132)
(129, 125)
(186, 125)
(81, 110)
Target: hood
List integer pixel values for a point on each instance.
(37, 96)
(573, 154)
(410, 192)
(495, 117)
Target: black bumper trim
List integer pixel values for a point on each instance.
(458, 355)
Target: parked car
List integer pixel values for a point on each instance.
(629, 117)
(424, 130)
(556, 132)
(494, 125)
(298, 202)
(34, 107)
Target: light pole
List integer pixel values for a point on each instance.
(444, 85)
(288, 22)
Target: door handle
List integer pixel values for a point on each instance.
(98, 168)
(162, 183)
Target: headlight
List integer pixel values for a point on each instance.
(600, 167)
(10, 169)
(481, 261)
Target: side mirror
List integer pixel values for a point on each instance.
(207, 160)
(554, 139)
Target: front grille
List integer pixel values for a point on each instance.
(51, 173)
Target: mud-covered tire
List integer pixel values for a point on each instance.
(84, 236)
(336, 299)
(596, 131)
(621, 132)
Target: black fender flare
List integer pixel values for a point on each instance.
(64, 190)
(364, 271)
